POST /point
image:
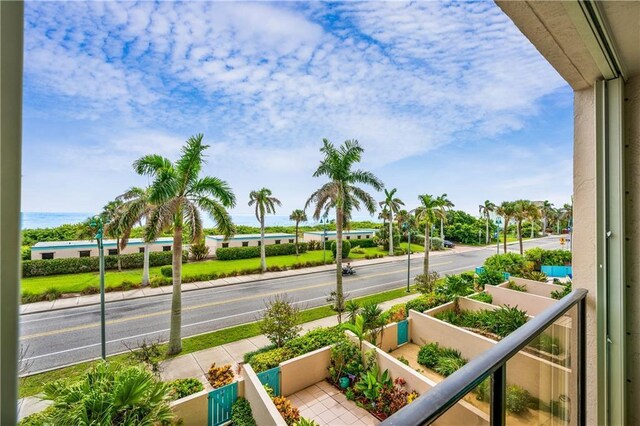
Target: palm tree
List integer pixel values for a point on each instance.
(506, 210)
(445, 204)
(265, 204)
(392, 204)
(342, 194)
(428, 213)
(523, 210)
(485, 210)
(298, 216)
(546, 211)
(110, 217)
(135, 209)
(178, 195)
(533, 215)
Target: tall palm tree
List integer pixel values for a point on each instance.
(392, 204)
(135, 210)
(342, 194)
(265, 204)
(523, 210)
(533, 215)
(546, 211)
(178, 195)
(428, 213)
(485, 211)
(506, 209)
(445, 204)
(110, 217)
(298, 216)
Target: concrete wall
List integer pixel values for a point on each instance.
(306, 370)
(531, 303)
(74, 251)
(264, 411)
(462, 413)
(536, 287)
(193, 410)
(331, 237)
(543, 379)
(214, 244)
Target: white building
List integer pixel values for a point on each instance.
(88, 248)
(215, 242)
(356, 234)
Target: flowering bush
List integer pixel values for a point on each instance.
(290, 413)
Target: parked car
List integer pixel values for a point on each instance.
(448, 244)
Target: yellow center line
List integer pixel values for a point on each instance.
(202, 306)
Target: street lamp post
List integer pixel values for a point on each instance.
(324, 220)
(408, 228)
(96, 222)
(498, 222)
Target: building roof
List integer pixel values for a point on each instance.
(352, 232)
(249, 236)
(78, 244)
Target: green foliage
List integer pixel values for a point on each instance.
(307, 422)
(241, 414)
(517, 399)
(559, 294)
(426, 283)
(444, 361)
(37, 419)
(464, 228)
(449, 365)
(352, 308)
(25, 253)
(364, 243)
(512, 263)
(437, 244)
(234, 253)
(403, 360)
(482, 297)
(281, 320)
(166, 271)
(270, 359)
(501, 322)
(38, 268)
(358, 250)
(110, 394)
(455, 286)
(149, 354)
(426, 301)
(489, 277)
(65, 232)
(517, 287)
(199, 250)
(428, 355)
(541, 257)
(181, 388)
(546, 343)
(535, 276)
(346, 248)
(396, 313)
(346, 358)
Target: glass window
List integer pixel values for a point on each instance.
(245, 244)
(141, 250)
(368, 236)
(326, 238)
(359, 237)
(259, 243)
(348, 237)
(47, 256)
(277, 241)
(225, 245)
(166, 248)
(291, 241)
(113, 252)
(85, 253)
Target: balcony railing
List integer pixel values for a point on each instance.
(493, 363)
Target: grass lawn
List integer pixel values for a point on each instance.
(33, 385)
(73, 283)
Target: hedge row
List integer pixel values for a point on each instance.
(233, 253)
(366, 243)
(39, 268)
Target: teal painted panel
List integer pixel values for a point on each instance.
(220, 402)
(556, 271)
(271, 378)
(479, 270)
(403, 332)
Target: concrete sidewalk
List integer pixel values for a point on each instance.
(196, 364)
(114, 296)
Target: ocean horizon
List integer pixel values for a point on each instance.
(32, 220)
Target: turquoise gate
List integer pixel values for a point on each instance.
(271, 378)
(403, 332)
(220, 402)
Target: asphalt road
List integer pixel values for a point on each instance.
(58, 338)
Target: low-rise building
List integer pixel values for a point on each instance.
(88, 248)
(215, 242)
(356, 234)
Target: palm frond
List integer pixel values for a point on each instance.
(217, 188)
(151, 165)
(218, 213)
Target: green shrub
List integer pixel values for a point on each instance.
(428, 355)
(482, 297)
(38, 419)
(25, 253)
(281, 320)
(181, 388)
(241, 414)
(437, 244)
(199, 250)
(559, 294)
(426, 301)
(512, 263)
(248, 355)
(92, 289)
(517, 287)
(541, 257)
(447, 365)
(52, 294)
(39, 268)
(426, 283)
(159, 282)
(234, 253)
(166, 271)
(366, 243)
(346, 249)
(547, 344)
(501, 322)
(490, 277)
(357, 250)
(517, 399)
(270, 359)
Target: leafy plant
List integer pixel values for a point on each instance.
(426, 283)
(346, 248)
(166, 271)
(559, 294)
(109, 394)
(517, 287)
(449, 365)
(147, 353)
(350, 394)
(353, 309)
(220, 376)
(517, 399)
(369, 385)
(512, 263)
(548, 344)
(267, 360)
(199, 250)
(482, 297)
(373, 322)
(346, 358)
(502, 321)
(241, 414)
(403, 360)
(305, 422)
(426, 302)
(428, 355)
(397, 313)
(281, 320)
(290, 413)
(489, 277)
(248, 355)
(234, 253)
(535, 276)
(181, 388)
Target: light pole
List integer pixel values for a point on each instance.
(407, 227)
(498, 223)
(96, 222)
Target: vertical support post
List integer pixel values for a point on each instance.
(409, 259)
(103, 331)
(11, 41)
(581, 373)
(499, 396)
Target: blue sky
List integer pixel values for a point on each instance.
(445, 97)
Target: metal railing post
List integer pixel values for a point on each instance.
(499, 396)
(582, 362)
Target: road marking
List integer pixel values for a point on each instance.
(201, 306)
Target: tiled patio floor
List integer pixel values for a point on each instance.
(327, 406)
